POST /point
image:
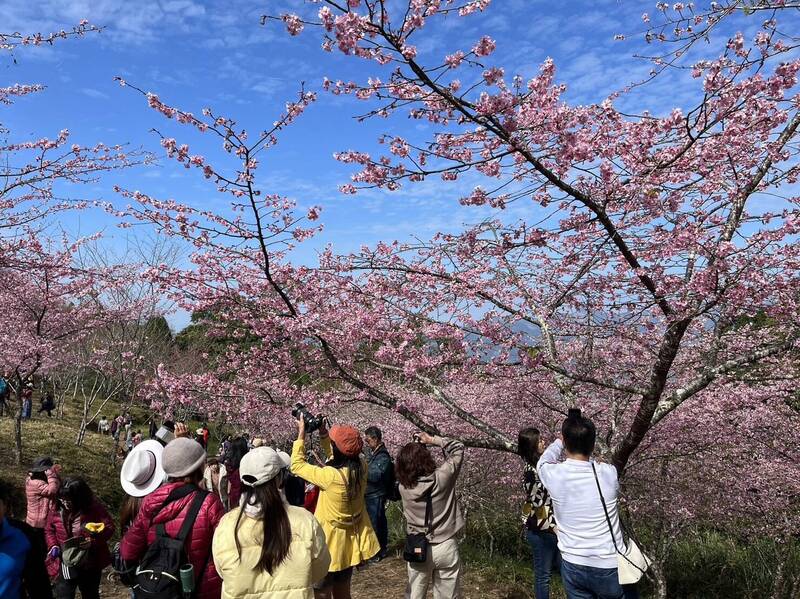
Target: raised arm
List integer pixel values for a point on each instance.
(453, 450)
(548, 461)
(322, 477)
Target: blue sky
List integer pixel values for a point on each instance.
(196, 53)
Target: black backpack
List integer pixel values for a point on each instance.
(158, 575)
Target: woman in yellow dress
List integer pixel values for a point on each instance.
(340, 507)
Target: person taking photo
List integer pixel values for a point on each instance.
(537, 514)
(340, 507)
(422, 483)
(589, 557)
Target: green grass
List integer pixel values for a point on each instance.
(709, 565)
(42, 436)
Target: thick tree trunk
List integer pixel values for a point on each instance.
(660, 579)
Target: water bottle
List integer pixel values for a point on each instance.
(187, 579)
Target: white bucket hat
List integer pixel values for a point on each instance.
(142, 472)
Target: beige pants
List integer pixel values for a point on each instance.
(442, 568)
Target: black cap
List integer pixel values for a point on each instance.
(42, 464)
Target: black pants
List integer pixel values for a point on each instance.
(46, 409)
(88, 581)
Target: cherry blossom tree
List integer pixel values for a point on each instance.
(621, 299)
(48, 305)
(641, 266)
(43, 296)
(652, 245)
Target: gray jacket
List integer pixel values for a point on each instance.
(448, 521)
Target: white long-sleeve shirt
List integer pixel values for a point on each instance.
(583, 535)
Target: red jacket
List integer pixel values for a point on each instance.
(56, 534)
(41, 496)
(235, 492)
(198, 544)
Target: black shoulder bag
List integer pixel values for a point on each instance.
(416, 549)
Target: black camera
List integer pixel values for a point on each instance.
(312, 422)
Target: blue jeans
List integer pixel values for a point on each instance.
(376, 508)
(586, 582)
(546, 557)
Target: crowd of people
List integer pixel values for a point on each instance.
(256, 521)
(47, 402)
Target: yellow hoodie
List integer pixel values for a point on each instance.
(346, 523)
(306, 564)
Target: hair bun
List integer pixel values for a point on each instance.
(574, 413)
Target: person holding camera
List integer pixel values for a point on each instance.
(584, 495)
(431, 509)
(77, 535)
(41, 492)
(340, 508)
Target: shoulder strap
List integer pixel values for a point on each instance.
(191, 515)
(429, 511)
(351, 517)
(176, 494)
(605, 510)
(611, 530)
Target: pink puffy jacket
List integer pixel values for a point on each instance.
(142, 533)
(41, 497)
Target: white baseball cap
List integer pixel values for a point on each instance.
(259, 465)
(285, 458)
(143, 472)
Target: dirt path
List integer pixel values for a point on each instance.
(386, 580)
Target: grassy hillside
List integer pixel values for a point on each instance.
(55, 437)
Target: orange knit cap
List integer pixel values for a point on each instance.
(347, 439)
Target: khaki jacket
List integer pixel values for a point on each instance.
(448, 521)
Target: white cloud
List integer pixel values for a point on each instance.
(94, 93)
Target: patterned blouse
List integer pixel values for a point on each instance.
(537, 511)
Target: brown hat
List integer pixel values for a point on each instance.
(347, 439)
